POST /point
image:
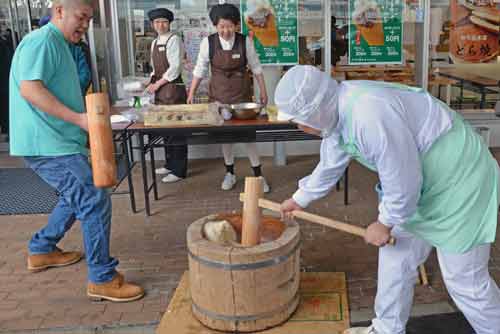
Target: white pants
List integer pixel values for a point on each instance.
(466, 277)
(253, 155)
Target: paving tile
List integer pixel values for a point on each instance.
(100, 319)
(12, 314)
(22, 323)
(140, 318)
(64, 321)
(8, 305)
(136, 306)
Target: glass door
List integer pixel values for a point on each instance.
(7, 45)
(21, 13)
(8, 24)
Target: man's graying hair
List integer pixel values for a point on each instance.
(72, 3)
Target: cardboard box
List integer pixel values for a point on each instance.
(323, 309)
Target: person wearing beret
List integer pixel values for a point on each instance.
(229, 55)
(167, 86)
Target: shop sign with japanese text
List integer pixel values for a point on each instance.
(375, 32)
(273, 26)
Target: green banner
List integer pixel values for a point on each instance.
(273, 25)
(375, 32)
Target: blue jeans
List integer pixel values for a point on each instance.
(71, 177)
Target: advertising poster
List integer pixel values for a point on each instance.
(474, 35)
(273, 25)
(375, 32)
(192, 39)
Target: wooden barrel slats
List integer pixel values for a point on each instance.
(243, 289)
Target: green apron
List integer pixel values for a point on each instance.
(458, 204)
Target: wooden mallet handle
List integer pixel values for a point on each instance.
(359, 231)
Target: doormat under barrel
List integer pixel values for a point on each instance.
(23, 192)
(323, 308)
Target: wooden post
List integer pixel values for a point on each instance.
(250, 235)
(101, 140)
(424, 280)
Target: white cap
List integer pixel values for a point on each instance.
(308, 96)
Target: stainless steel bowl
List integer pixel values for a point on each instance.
(248, 110)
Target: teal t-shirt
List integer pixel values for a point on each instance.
(45, 55)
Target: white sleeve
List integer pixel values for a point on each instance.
(252, 57)
(332, 164)
(175, 52)
(385, 139)
(203, 61)
(151, 57)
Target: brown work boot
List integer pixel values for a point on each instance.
(116, 290)
(57, 258)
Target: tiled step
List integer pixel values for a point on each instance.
(4, 147)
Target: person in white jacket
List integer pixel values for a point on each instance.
(438, 187)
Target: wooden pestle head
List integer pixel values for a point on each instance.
(102, 157)
(250, 235)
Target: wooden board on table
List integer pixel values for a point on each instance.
(182, 114)
(323, 308)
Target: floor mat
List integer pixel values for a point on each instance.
(23, 192)
(447, 323)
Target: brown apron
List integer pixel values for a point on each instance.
(230, 80)
(173, 92)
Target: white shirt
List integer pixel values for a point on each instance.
(203, 61)
(392, 131)
(175, 55)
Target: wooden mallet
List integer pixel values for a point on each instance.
(252, 201)
(101, 140)
(273, 206)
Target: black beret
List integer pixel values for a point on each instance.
(225, 11)
(161, 13)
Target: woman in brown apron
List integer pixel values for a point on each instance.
(167, 86)
(230, 55)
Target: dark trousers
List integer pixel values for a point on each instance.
(4, 111)
(176, 155)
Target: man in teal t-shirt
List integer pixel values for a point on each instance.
(48, 128)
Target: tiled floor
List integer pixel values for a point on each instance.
(152, 251)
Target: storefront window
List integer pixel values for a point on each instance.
(375, 40)
(311, 28)
(464, 38)
(371, 39)
(193, 24)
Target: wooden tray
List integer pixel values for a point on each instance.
(182, 114)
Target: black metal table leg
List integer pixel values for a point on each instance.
(144, 174)
(461, 93)
(125, 142)
(483, 98)
(130, 147)
(346, 186)
(153, 172)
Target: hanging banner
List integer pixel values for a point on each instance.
(475, 27)
(375, 32)
(273, 25)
